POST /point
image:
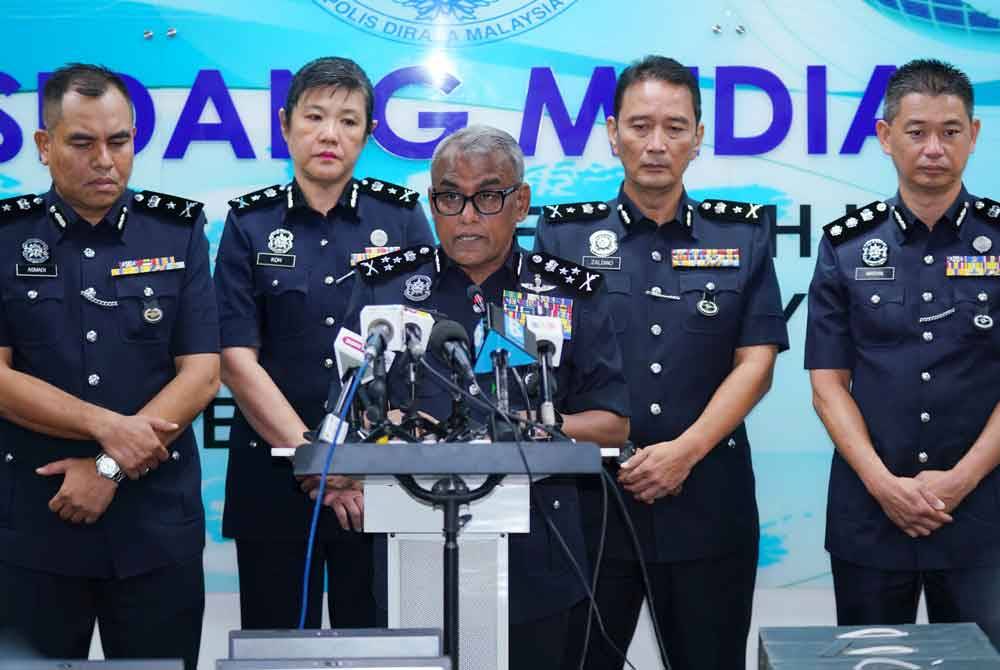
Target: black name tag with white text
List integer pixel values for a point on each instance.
(874, 274)
(602, 262)
(37, 270)
(276, 260)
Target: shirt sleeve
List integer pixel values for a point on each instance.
(763, 316)
(418, 230)
(239, 313)
(597, 378)
(196, 330)
(828, 332)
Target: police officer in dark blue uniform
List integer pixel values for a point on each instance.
(903, 346)
(284, 276)
(478, 195)
(108, 351)
(695, 303)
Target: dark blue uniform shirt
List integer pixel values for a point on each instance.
(283, 277)
(589, 377)
(923, 373)
(110, 341)
(675, 355)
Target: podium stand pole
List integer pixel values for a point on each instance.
(450, 493)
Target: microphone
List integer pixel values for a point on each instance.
(451, 343)
(379, 334)
(475, 294)
(413, 334)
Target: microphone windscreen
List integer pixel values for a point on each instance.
(445, 331)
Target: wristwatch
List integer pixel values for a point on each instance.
(108, 468)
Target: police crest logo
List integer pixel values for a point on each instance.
(35, 250)
(874, 252)
(603, 243)
(280, 241)
(417, 288)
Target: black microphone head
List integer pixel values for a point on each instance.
(446, 331)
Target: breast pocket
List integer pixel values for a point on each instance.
(714, 303)
(147, 306)
(619, 288)
(36, 311)
(878, 315)
(285, 301)
(977, 306)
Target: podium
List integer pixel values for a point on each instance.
(483, 490)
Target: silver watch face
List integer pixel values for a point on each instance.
(107, 467)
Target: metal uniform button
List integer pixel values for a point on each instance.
(922, 457)
(323, 243)
(710, 286)
(32, 294)
(328, 280)
(148, 292)
(8, 457)
(656, 256)
(927, 296)
(925, 376)
(329, 321)
(928, 336)
(555, 504)
(875, 299)
(175, 455)
(656, 290)
(253, 444)
(983, 297)
(654, 409)
(655, 368)
(925, 417)
(274, 282)
(91, 335)
(327, 362)
(88, 252)
(928, 260)
(94, 380)
(655, 329)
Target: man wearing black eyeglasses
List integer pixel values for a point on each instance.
(478, 196)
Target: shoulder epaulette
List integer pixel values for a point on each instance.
(256, 199)
(731, 210)
(380, 268)
(565, 274)
(170, 206)
(853, 224)
(987, 209)
(12, 208)
(575, 211)
(388, 192)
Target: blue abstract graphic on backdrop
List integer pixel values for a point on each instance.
(790, 94)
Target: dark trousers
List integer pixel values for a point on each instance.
(703, 609)
(870, 596)
(271, 581)
(155, 615)
(540, 643)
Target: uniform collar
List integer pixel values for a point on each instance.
(632, 217)
(64, 218)
(295, 199)
(512, 263)
(953, 218)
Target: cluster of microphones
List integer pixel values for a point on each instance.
(525, 348)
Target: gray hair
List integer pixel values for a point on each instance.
(480, 141)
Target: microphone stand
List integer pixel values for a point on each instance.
(547, 409)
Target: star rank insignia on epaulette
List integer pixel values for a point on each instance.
(256, 199)
(574, 211)
(11, 208)
(383, 267)
(731, 210)
(987, 209)
(564, 273)
(387, 192)
(171, 206)
(855, 223)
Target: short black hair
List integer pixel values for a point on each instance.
(930, 77)
(86, 79)
(331, 71)
(658, 68)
